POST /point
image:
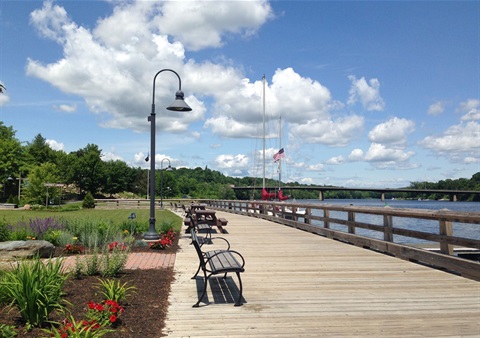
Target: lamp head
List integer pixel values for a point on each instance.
(169, 168)
(179, 104)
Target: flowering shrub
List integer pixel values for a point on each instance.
(77, 329)
(164, 242)
(73, 249)
(117, 246)
(104, 313)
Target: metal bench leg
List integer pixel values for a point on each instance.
(239, 300)
(197, 304)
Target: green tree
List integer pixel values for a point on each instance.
(87, 170)
(118, 177)
(35, 191)
(10, 158)
(39, 150)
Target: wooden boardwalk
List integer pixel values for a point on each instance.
(298, 284)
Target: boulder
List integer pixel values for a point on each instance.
(14, 250)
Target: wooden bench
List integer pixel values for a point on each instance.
(216, 262)
(8, 206)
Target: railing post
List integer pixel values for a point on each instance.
(388, 228)
(351, 218)
(326, 215)
(446, 230)
(308, 213)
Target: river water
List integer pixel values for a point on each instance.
(459, 229)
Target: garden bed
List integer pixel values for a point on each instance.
(145, 311)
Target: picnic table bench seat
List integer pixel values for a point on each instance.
(216, 262)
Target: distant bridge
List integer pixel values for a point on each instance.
(383, 191)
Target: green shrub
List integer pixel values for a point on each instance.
(88, 201)
(92, 264)
(165, 226)
(65, 238)
(113, 290)
(78, 329)
(53, 236)
(112, 263)
(21, 233)
(7, 331)
(4, 231)
(35, 289)
(107, 264)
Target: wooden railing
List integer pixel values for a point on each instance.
(437, 248)
(434, 243)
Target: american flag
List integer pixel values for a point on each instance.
(279, 155)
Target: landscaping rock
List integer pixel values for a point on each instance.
(14, 250)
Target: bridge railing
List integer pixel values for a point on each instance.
(431, 237)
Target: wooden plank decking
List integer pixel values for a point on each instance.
(297, 284)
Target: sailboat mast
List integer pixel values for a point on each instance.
(263, 80)
(280, 160)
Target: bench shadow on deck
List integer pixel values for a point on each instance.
(297, 284)
(220, 290)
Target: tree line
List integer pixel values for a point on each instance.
(27, 167)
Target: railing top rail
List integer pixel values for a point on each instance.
(443, 214)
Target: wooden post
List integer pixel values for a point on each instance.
(388, 228)
(308, 213)
(351, 218)
(446, 229)
(326, 214)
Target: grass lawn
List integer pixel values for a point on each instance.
(116, 216)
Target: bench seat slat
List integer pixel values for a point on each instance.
(223, 261)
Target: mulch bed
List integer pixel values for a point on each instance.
(145, 311)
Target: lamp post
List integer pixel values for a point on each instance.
(5, 188)
(169, 168)
(148, 173)
(178, 105)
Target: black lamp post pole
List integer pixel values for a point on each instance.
(161, 179)
(178, 105)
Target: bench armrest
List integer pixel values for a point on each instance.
(224, 239)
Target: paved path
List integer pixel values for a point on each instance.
(139, 260)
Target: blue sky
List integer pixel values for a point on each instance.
(370, 93)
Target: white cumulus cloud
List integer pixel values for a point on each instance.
(55, 145)
(436, 108)
(470, 109)
(368, 93)
(394, 131)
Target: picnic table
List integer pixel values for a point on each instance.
(195, 207)
(208, 217)
(204, 219)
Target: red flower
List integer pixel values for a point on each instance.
(113, 319)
